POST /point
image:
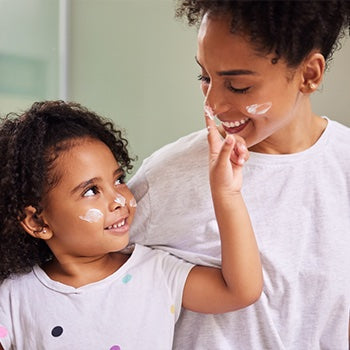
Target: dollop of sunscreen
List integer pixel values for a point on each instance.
(259, 109)
(92, 215)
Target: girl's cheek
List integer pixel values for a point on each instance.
(92, 215)
(132, 202)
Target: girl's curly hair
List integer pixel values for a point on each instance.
(290, 29)
(27, 145)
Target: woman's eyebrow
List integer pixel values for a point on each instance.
(231, 71)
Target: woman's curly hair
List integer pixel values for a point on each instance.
(289, 29)
(29, 144)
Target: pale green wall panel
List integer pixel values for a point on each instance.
(132, 61)
(28, 52)
(129, 60)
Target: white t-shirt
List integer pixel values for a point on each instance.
(134, 308)
(300, 209)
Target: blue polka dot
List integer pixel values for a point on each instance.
(126, 278)
(56, 331)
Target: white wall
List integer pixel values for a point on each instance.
(333, 97)
(133, 62)
(130, 60)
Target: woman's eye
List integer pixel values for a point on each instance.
(203, 79)
(92, 191)
(229, 86)
(239, 91)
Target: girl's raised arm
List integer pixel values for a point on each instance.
(239, 282)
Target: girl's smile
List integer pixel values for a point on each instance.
(88, 212)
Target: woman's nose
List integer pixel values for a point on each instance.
(215, 102)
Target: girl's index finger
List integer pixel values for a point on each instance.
(214, 137)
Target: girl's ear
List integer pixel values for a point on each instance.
(312, 73)
(34, 225)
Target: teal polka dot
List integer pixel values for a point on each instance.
(126, 279)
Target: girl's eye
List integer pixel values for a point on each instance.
(119, 180)
(92, 191)
(203, 79)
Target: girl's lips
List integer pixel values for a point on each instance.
(234, 129)
(121, 226)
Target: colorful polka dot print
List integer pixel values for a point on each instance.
(3, 332)
(126, 279)
(56, 331)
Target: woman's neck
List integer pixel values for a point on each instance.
(298, 136)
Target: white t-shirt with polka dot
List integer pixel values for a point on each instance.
(134, 308)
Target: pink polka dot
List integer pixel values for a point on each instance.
(115, 347)
(3, 332)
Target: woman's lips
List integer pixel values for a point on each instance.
(236, 126)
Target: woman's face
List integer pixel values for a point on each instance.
(250, 95)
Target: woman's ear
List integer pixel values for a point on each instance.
(312, 72)
(34, 225)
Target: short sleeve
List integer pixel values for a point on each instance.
(175, 271)
(5, 316)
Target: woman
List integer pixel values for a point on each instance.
(260, 62)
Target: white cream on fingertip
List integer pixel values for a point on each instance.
(209, 112)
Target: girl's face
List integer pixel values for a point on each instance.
(90, 210)
(250, 95)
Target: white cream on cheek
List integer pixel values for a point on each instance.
(122, 201)
(133, 203)
(259, 109)
(92, 215)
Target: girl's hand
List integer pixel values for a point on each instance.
(226, 159)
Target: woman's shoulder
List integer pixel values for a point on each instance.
(191, 143)
(188, 152)
(339, 132)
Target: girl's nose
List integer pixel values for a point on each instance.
(117, 201)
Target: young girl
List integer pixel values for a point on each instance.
(65, 214)
(259, 62)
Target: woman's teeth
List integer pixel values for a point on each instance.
(235, 124)
(120, 224)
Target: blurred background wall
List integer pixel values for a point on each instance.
(129, 60)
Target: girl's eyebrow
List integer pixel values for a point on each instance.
(231, 71)
(93, 180)
(85, 184)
